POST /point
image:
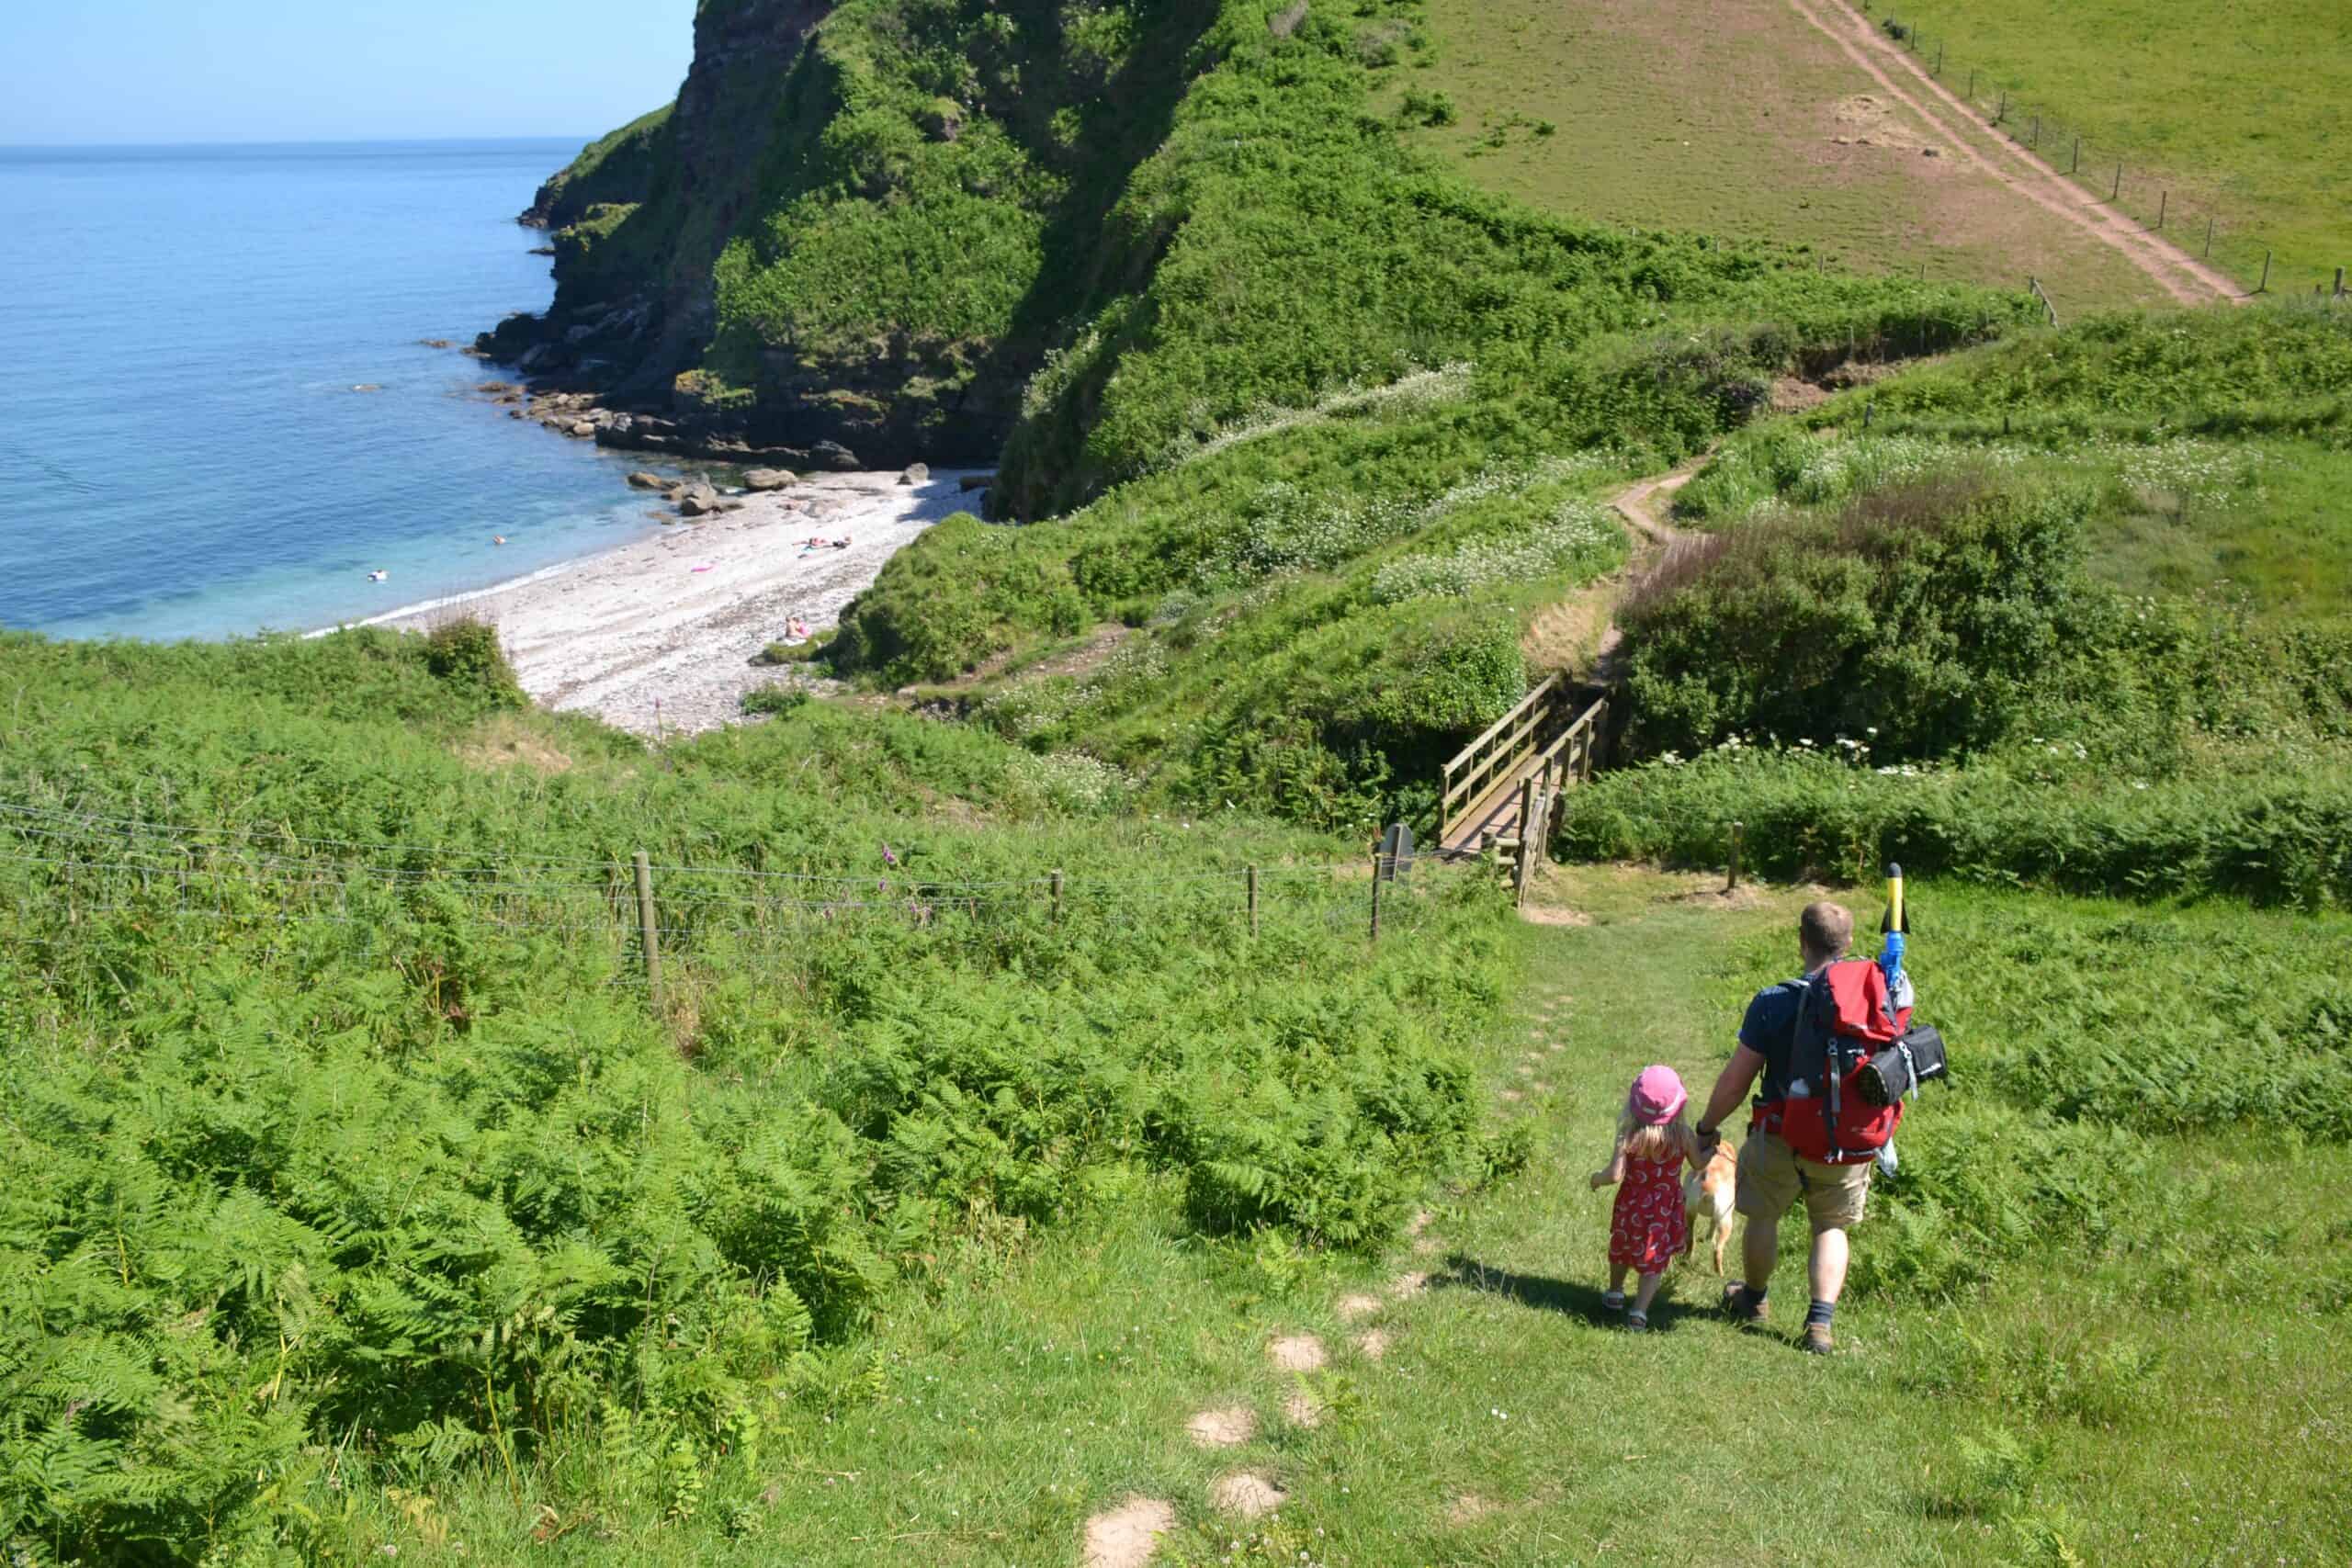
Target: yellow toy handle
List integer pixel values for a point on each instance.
(1894, 920)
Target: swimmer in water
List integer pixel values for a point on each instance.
(378, 576)
(498, 538)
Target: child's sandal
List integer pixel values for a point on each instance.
(1612, 1300)
(1637, 1321)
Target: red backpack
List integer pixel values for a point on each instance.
(1844, 1018)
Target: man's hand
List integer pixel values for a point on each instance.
(1708, 1137)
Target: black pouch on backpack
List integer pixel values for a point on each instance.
(1895, 1070)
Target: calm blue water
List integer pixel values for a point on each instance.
(181, 451)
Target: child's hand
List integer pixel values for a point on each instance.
(1602, 1179)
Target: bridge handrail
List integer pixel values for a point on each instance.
(1482, 770)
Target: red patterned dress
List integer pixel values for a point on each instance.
(1648, 1228)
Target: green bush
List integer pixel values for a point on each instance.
(467, 653)
(2028, 817)
(1924, 614)
(774, 699)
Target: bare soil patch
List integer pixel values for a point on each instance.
(1358, 1306)
(1410, 1283)
(1373, 1343)
(1745, 896)
(1468, 1508)
(510, 740)
(1247, 1494)
(1127, 1536)
(1297, 1353)
(1227, 1428)
(1301, 1411)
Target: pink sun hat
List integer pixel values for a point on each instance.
(1657, 1095)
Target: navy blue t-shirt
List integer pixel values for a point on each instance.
(1770, 1030)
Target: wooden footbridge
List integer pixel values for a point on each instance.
(1500, 789)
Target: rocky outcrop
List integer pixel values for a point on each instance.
(664, 194)
(637, 223)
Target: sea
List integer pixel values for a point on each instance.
(185, 449)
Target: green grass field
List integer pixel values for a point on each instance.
(2242, 112)
(2142, 1363)
(1735, 119)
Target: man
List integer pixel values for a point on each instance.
(1771, 1175)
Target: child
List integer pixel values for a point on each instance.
(1649, 1226)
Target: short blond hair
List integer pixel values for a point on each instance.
(1825, 929)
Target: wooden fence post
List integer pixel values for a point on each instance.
(2037, 131)
(2264, 287)
(2076, 167)
(1971, 85)
(1732, 880)
(2208, 235)
(2116, 194)
(1375, 892)
(1253, 900)
(2339, 283)
(647, 925)
(1527, 842)
(1054, 882)
(1939, 57)
(2163, 199)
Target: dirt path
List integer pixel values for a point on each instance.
(2173, 269)
(1582, 630)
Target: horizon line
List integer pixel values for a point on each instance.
(260, 143)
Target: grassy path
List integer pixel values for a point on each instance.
(1119, 1393)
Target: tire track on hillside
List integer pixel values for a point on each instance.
(2174, 270)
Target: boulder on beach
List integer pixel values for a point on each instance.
(767, 479)
(916, 474)
(643, 481)
(583, 427)
(833, 455)
(699, 500)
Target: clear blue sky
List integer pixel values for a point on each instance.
(158, 71)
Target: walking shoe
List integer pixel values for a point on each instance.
(1612, 1300)
(1637, 1321)
(1816, 1340)
(1744, 1309)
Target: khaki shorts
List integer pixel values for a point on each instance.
(1771, 1175)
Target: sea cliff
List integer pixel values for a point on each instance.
(854, 237)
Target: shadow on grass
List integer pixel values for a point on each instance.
(1571, 1299)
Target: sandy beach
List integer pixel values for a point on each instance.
(675, 618)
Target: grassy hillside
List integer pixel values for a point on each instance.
(2063, 611)
(1735, 119)
(1011, 1084)
(2241, 114)
(353, 1149)
(2066, 1337)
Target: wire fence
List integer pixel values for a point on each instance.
(2192, 217)
(61, 868)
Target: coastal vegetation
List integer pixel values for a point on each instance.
(352, 1147)
(1004, 1051)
